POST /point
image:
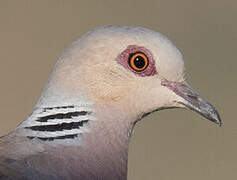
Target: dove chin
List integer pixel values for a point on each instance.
(188, 98)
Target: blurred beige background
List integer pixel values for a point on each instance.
(167, 145)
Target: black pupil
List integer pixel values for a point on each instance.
(139, 62)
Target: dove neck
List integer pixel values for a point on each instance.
(102, 141)
(103, 151)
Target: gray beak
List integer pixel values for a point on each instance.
(193, 101)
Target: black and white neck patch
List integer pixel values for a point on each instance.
(61, 123)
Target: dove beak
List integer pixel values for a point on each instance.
(190, 99)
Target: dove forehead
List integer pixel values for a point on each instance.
(106, 43)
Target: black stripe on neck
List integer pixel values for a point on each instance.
(58, 127)
(71, 136)
(62, 116)
(58, 107)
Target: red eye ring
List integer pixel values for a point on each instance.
(138, 61)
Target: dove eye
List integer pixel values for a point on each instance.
(138, 61)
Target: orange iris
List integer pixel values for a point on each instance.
(138, 61)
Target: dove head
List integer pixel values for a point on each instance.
(132, 69)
